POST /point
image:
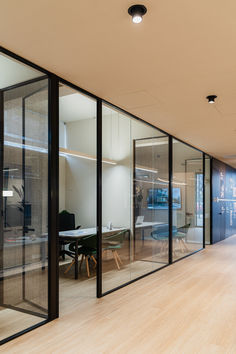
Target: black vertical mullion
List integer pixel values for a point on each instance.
(170, 198)
(23, 200)
(1, 190)
(204, 200)
(53, 191)
(99, 198)
(211, 200)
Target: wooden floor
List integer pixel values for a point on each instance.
(189, 307)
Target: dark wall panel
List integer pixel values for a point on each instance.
(223, 201)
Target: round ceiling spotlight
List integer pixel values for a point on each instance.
(137, 12)
(211, 98)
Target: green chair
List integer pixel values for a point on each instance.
(88, 251)
(87, 248)
(181, 236)
(113, 243)
(161, 234)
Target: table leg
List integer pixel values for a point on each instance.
(43, 254)
(143, 235)
(76, 259)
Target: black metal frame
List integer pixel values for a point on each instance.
(53, 198)
(204, 199)
(170, 200)
(1, 189)
(211, 194)
(99, 198)
(53, 185)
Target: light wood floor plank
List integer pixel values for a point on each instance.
(189, 307)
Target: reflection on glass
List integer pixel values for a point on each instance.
(77, 193)
(187, 200)
(24, 290)
(135, 199)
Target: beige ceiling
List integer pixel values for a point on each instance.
(160, 70)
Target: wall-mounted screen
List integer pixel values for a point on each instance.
(158, 198)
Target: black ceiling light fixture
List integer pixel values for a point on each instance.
(211, 98)
(137, 12)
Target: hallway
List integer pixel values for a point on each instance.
(191, 304)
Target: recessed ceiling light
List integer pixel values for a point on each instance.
(211, 98)
(137, 12)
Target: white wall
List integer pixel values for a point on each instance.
(62, 183)
(81, 136)
(81, 190)
(77, 183)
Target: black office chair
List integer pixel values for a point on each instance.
(66, 223)
(88, 250)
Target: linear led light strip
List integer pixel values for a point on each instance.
(151, 182)
(24, 146)
(173, 182)
(224, 200)
(62, 152)
(66, 152)
(145, 169)
(154, 143)
(10, 169)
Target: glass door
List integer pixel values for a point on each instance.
(24, 199)
(151, 198)
(187, 207)
(135, 173)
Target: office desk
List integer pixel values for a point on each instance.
(76, 235)
(144, 226)
(147, 225)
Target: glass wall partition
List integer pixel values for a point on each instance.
(207, 200)
(24, 193)
(77, 195)
(187, 200)
(134, 198)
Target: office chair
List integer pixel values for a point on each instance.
(161, 234)
(66, 223)
(181, 236)
(88, 250)
(113, 243)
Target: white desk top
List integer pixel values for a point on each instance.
(86, 232)
(92, 230)
(149, 224)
